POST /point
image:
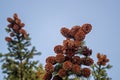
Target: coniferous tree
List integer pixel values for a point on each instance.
(99, 69)
(73, 61)
(40, 72)
(18, 63)
(72, 57)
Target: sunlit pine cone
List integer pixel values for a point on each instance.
(76, 69)
(104, 63)
(62, 73)
(16, 27)
(10, 25)
(80, 35)
(49, 67)
(10, 20)
(71, 45)
(60, 58)
(76, 60)
(18, 21)
(12, 34)
(8, 39)
(21, 25)
(86, 51)
(57, 78)
(102, 59)
(65, 32)
(101, 63)
(47, 76)
(77, 43)
(51, 59)
(98, 55)
(86, 28)
(67, 65)
(70, 53)
(74, 30)
(86, 72)
(58, 49)
(15, 16)
(68, 44)
(23, 32)
(87, 61)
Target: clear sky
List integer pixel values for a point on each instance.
(44, 19)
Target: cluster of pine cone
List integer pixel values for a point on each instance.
(102, 59)
(72, 57)
(15, 28)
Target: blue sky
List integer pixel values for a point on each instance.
(44, 20)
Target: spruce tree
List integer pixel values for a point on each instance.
(99, 69)
(72, 61)
(73, 58)
(18, 63)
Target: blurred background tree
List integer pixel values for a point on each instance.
(18, 63)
